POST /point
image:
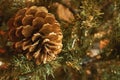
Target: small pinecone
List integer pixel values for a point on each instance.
(36, 33)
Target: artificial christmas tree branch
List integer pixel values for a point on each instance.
(92, 38)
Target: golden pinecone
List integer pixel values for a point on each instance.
(37, 33)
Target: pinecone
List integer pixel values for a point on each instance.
(36, 33)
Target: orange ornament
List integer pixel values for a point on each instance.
(2, 50)
(2, 32)
(104, 43)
